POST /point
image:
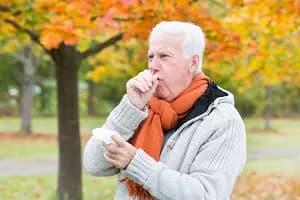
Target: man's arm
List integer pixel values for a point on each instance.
(124, 119)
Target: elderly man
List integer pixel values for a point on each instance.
(180, 134)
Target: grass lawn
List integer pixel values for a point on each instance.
(27, 149)
(43, 187)
(284, 166)
(286, 134)
(47, 125)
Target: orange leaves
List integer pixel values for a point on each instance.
(262, 187)
(59, 30)
(51, 40)
(129, 2)
(44, 5)
(297, 6)
(235, 2)
(70, 22)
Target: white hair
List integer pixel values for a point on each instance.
(193, 42)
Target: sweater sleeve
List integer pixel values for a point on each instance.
(212, 173)
(124, 119)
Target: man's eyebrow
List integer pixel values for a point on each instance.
(162, 52)
(166, 51)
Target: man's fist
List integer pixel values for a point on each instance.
(120, 153)
(141, 87)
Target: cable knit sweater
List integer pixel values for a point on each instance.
(200, 160)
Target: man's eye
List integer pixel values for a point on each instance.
(150, 57)
(164, 55)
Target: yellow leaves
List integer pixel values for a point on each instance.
(265, 28)
(10, 46)
(99, 73)
(83, 44)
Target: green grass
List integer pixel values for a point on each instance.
(43, 187)
(28, 149)
(286, 166)
(279, 125)
(47, 125)
(285, 133)
(272, 140)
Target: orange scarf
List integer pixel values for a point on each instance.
(163, 116)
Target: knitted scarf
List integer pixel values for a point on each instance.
(163, 116)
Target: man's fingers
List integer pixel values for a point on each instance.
(111, 161)
(147, 76)
(136, 84)
(154, 83)
(118, 140)
(112, 148)
(141, 81)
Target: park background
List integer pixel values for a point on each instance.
(64, 65)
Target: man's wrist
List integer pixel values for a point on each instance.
(139, 107)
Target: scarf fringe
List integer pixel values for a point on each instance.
(137, 191)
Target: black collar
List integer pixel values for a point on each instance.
(201, 105)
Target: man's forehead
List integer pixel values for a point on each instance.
(165, 43)
(166, 37)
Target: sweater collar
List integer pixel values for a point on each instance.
(213, 94)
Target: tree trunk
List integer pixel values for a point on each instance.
(29, 66)
(69, 176)
(268, 91)
(91, 101)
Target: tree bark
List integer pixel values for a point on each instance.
(29, 67)
(268, 91)
(66, 69)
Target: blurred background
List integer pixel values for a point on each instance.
(64, 65)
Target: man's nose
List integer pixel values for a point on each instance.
(154, 65)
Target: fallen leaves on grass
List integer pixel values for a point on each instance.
(264, 187)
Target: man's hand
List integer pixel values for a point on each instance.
(120, 153)
(141, 87)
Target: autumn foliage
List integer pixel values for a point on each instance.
(270, 33)
(82, 23)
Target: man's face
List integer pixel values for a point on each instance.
(166, 60)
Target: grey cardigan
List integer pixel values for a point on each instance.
(200, 161)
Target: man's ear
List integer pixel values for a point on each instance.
(195, 63)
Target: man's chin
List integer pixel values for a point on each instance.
(160, 95)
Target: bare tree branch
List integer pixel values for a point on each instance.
(34, 36)
(7, 9)
(95, 49)
(31, 34)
